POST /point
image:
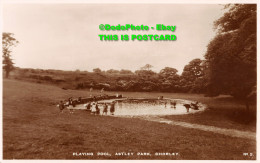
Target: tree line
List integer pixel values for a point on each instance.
(192, 79)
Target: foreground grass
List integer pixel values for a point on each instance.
(34, 129)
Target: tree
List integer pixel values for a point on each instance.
(146, 79)
(8, 42)
(231, 55)
(168, 72)
(112, 71)
(145, 74)
(146, 67)
(169, 79)
(192, 78)
(97, 70)
(193, 70)
(123, 71)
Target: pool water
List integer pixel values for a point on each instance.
(141, 107)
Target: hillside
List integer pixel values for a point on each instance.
(71, 79)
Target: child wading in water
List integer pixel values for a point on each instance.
(93, 109)
(173, 104)
(187, 106)
(112, 108)
(105, 109)
(88, 106)
(61, 106)
(71, 105)
(97, 109)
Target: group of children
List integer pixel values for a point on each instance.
(194, 106)
(95, 108)
(69, 105)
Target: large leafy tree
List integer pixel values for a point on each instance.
(169, 79)
(193, 76)
(231, 55)
(8, 42)
(193, 70)
(147, 79)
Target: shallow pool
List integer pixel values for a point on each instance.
(140, 107)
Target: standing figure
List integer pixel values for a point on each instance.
(61, 106)
(93, 109)
(187, 106)
(88, 106)
(97, 109)
(91, 89)
(71, 105)
(174, 104)
(112, 108)
(105, 109)
(102, 90)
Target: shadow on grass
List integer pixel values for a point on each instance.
(242, 117)
(224, 118)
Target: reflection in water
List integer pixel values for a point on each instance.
(139, 107)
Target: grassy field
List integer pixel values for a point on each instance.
(34, 129)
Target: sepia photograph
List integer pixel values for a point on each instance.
(129, 81)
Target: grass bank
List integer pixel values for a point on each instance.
(34, 129)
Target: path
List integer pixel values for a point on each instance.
(228, 132)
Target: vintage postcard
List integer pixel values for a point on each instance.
(122, 80)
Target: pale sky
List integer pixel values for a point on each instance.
(65, 36)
